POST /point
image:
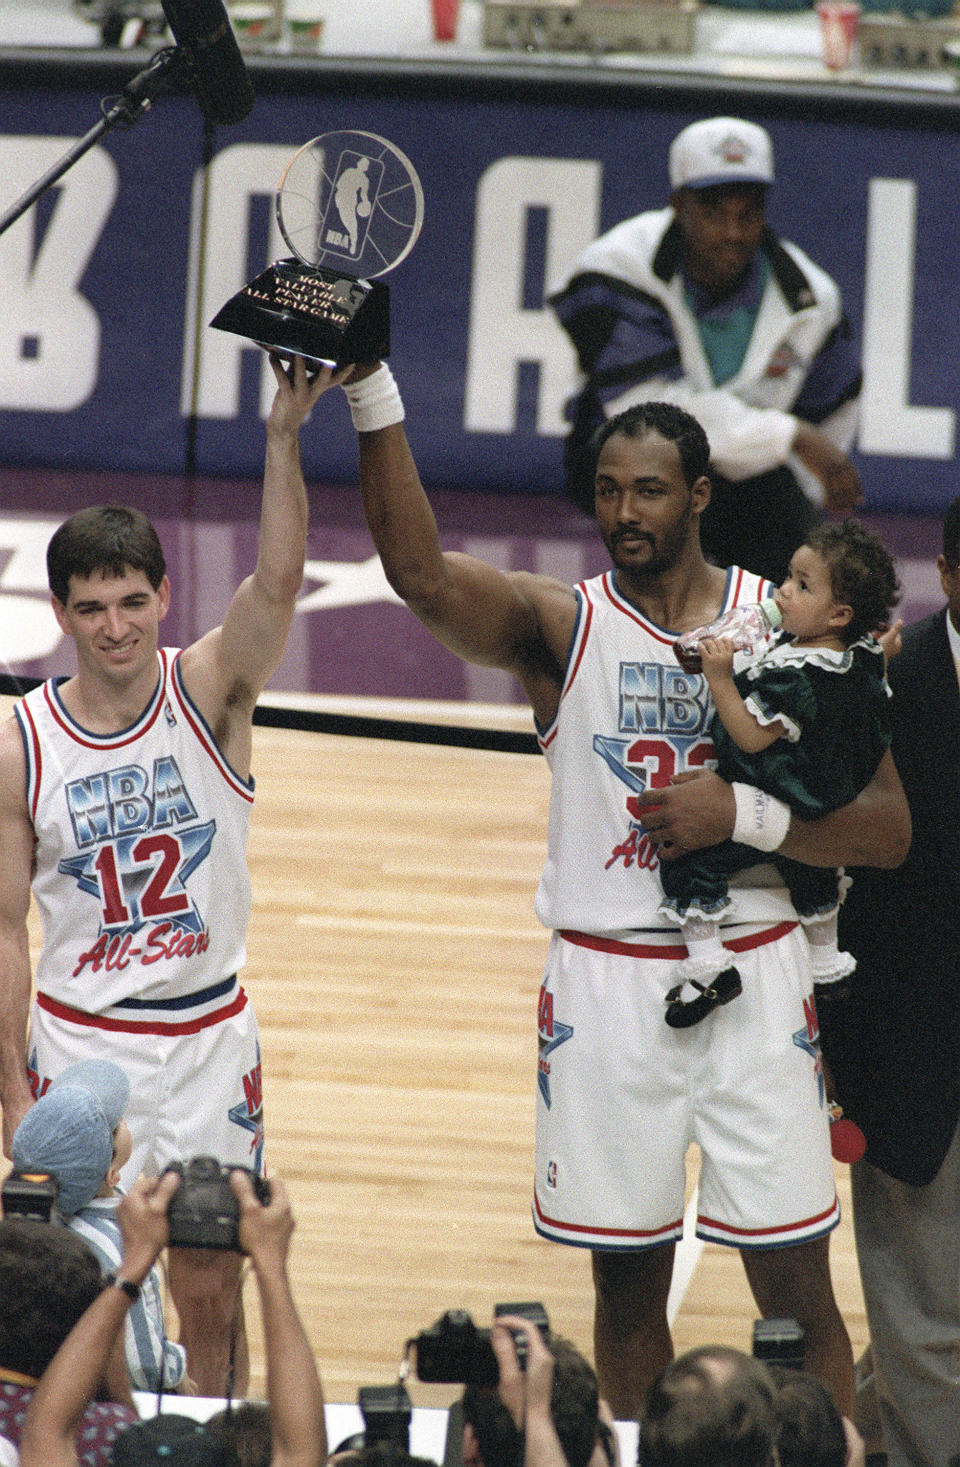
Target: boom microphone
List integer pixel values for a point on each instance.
(202, 31)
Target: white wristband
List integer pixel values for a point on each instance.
(762, 820)
(375, 402)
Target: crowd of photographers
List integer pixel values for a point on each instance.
(530, 1397)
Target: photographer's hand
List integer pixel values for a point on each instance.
(265, 1229)
(542, 1445)
(511, 1387)
(76, 1370)
(142, 1215)
(293, 1384)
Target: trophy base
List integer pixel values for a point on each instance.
(299, 310)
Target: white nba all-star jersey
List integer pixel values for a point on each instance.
(629, 719)
(141, 875)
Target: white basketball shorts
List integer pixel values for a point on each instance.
(621, 1097)
(194, 1072)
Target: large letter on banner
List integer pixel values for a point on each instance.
(502, 332)
(237, 175)
(889, 422)
(49, 332)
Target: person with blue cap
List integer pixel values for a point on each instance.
(76, 1132)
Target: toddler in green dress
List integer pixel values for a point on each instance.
(805, 720)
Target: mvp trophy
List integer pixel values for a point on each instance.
(350, 206)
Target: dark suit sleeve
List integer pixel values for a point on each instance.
(894, 1047)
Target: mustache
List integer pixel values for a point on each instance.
(631, 532)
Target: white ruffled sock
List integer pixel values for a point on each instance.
(828, 963)
(707, 955)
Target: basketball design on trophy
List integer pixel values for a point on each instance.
(350, 207)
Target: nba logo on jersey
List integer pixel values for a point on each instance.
(136, 858)
(248, 1114)
(808, 1039)
(550, 1034)
(663, 718)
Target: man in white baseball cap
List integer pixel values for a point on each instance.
(721, 150)
(701, 305)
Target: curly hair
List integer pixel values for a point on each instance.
(671, 422)
(48, 1277)
(862, 573)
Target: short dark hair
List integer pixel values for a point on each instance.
(48, 1277)
(951, 534)
(245, 1428)
(862, 573)
(105, 538)
(693, 1415)
(498, 1438)
(671, 422)
(811, 1430)
(574, 1403)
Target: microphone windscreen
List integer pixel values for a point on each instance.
(202, 29)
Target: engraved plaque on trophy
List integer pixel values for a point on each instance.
(350, 207)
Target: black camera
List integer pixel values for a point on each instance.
(779, 1342)
(455, 1350)
(203, 1212)
(29, 1194)
(386, 1412)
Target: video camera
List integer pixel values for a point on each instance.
(29, 1194)
(386, 1412)
(455, 1350)
(203, 1212)
(779, 1342)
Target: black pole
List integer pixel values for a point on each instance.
(197, 325)
(165, 69)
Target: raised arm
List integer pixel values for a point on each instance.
(16, 846)
(873, 830)
(519, 622)
(527, 1393)
(73, 1375)
(226, 671)
(294, 1392)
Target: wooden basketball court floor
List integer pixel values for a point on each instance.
(394, 961)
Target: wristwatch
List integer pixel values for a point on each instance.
(131, 1289)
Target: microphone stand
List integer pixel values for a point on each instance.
(190, 465)
(164, 71)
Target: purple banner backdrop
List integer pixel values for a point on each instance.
(104, 281)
